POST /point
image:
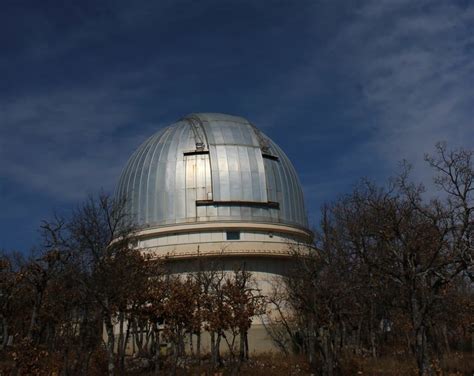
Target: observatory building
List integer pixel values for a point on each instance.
(214, 186)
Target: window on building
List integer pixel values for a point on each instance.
(233, 235)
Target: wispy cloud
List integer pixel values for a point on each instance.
(67, 143)
(415, 61)
(378, 82)
(347, 89)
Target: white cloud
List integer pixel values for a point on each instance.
(68, 143)
(413, 60)
(416, 63)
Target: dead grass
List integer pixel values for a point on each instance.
(454, 364)
(272, 364)
(276, 365)
(458, 363)
(383, 366)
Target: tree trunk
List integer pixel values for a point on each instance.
(311, 344)
(327, 353)
(342, 343)
(421, 353)
(110, 345)
(246, 346)
(421, 346)
(138, 329)
(123, 349)
(446, 339)
(198, 346)
(373, 346)
(358, 337)
(242, 347)
(5, 332)
(156, 357)
(85, 366)
(191, 345)
(120, 341)
(218, 349)
(34, 314)
(372, 329)
(213, 348)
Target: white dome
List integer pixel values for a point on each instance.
(211, 168)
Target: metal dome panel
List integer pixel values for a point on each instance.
(211, 167)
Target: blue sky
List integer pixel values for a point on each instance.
(346, 88)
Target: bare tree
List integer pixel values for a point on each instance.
(386, 254)
(98, 239)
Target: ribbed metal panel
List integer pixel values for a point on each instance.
(211, 167)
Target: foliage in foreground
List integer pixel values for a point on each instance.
(89, 295)
(390, 270)
(386, 290)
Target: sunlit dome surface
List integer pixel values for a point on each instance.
(211, 167)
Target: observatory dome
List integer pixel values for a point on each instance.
(210, 167)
